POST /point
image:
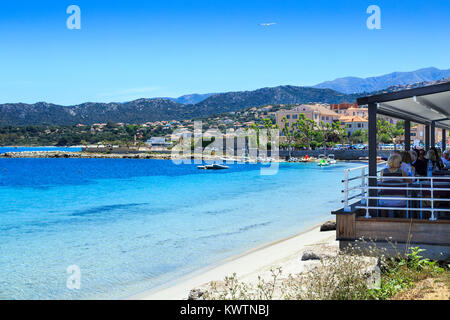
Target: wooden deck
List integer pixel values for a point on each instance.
(388, 232)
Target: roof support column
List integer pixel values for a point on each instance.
(444, 138)
(427, 137)
(433, 134)
(407, 135)
(372, 152)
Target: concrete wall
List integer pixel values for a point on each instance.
(433, 252)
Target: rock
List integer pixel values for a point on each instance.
(310, 255)
(195, 294)
(328, 226)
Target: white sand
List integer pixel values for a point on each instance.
(284, 253)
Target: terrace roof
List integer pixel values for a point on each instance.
(422, 105)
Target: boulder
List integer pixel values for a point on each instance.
(195, 294)
(310, 255)
(328, 226)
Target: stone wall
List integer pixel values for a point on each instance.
(339, 154)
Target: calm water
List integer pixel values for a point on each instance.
(131, 225)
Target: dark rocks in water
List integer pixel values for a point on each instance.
(328, 226)
(195, 294)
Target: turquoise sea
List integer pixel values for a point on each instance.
(131, 225)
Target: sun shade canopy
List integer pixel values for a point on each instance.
(423, 105)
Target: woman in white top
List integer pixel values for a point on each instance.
(393, 174)
(406, 165)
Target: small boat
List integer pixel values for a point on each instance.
(331, 159)
(305, 159)
(323, 163)
(213, 167)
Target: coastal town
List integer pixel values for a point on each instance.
(225, 154)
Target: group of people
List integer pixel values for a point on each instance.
(415, 163)
(402, 165)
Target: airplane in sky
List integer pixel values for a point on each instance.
(267, 24)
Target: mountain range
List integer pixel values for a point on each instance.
(145, 110)
(373, 84)
(204, 105)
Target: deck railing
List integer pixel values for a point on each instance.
(412, 195)
(354, 184)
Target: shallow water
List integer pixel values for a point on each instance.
(131, 225)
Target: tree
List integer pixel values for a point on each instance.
(288, 133)
(332, 132)
(387, 132)
(360, 136)
(304, 132)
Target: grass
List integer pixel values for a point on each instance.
(400, 274)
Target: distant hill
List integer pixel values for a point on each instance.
(358, 85)
(233, 101)
(192, 98)
(402, 87)
(144, 110)
(138, 111)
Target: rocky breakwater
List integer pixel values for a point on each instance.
(62, 154)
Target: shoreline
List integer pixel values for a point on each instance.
(247, 265)
(142, 155)
(93, 155)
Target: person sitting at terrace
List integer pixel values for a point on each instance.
(432, 155)
(446, 159)
(421, 164)
(413, 155)
(393, 171)
(439, 162)
(394, 175)
(398, 152)
(406, 164)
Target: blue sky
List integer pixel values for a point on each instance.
(131, 49)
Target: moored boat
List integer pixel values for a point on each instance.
(306, 158)
(331, 159)
(323, 163)
(213, 167)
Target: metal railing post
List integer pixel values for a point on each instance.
(367, 216)
(433, 217)
(363, 185)
(347, 208)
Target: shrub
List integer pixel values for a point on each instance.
(346, 276)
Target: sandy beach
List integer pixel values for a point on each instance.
(285, 253)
